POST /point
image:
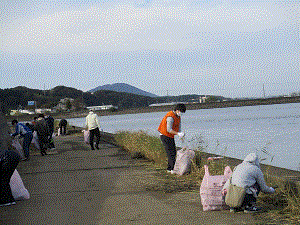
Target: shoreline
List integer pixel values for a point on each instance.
(192, 106)
(277, 171)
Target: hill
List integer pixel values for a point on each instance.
(122, 87)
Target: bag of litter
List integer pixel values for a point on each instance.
(16, 144)
(86, 135)
(211, 189)
(183, 161)
(18, 189)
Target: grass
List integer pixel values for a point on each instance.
(283, 206)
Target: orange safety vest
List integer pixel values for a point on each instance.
(163, 124)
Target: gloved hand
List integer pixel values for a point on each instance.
(181, 134)
(272, 190)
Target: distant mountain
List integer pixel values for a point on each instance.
(121, 87)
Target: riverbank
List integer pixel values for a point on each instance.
(192, 106)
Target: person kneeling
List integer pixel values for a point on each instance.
(248, 175)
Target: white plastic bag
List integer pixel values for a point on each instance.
(35, 140)
(211, 189)
(183, 161)
(16, 144)
(18, 189)
(86, 134)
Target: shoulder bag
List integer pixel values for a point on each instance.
(235, 195)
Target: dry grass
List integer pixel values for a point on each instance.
(283, 207)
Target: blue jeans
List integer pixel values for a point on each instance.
(26, 143)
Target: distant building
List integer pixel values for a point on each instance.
(62, 105)
(202, 99)
(20, 111)
(42, 110)
(102, 107)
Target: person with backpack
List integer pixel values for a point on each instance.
(168, 128)
(26, 133)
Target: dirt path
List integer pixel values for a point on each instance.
(78, 186)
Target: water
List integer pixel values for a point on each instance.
(272, 131)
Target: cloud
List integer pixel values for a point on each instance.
(144, 25)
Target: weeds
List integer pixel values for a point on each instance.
(283, 205)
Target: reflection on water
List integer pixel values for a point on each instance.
(271, 130)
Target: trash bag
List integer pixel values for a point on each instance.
(183, 161)
(86, 135)
(16, 144)
(211, 189)
(35, 140)
(18, 189)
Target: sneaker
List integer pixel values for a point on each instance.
(251, 209)
(171, 171)
(232, 210)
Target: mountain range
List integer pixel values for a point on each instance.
(122, 87)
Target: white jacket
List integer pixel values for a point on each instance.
(247, 174)
(92, 121)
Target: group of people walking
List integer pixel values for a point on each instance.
(247, 175)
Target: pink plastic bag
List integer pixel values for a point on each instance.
(211, 188)
(18, 189)
(183, 161)
(16, 144)
(86, 135)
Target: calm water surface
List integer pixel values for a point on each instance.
(271, 131)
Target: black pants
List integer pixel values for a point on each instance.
(63, 129)
(8, 164)
(95, 132)
(170, 148)
(249, 199)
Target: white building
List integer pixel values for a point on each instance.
(102, 107)
(202, 99)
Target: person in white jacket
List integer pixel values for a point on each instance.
(249, 175)
(93, 125)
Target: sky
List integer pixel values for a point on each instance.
(233, 48)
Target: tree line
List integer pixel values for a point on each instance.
(18, 97)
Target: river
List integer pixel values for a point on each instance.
(272, 131)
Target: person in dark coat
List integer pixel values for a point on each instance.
(50, 122)
(9, 161)
(43, 133)
(63, 126)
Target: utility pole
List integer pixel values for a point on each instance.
(264, 92)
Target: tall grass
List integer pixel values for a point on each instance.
(142, 144)
(284, 203)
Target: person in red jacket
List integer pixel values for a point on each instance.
(168, 128)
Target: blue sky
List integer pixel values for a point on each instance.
(227, 47)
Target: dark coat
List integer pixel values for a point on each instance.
(42, 130)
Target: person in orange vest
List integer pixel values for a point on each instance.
(168, 128)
